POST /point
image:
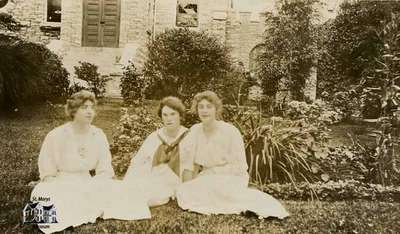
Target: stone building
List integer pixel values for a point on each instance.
(108, 33)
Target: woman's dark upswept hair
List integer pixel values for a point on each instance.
(173, 103)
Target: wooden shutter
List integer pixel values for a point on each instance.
(101, 23)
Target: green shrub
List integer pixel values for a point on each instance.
(283, 151)
(75, 88)
(243, 117)
(346, 102)
(277, 149)
(29, 73)
(317, 112)
(370, 103)
(133, 85)
(190, 119)
(96, 82)
(352, 44)
(234, 88)
(364, 163)
(290, 48)
(354, 162)
(8, 23)
(182, 62)
(131, 131)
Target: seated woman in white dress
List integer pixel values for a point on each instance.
(156, 165)
(67, 157)
(215, 169)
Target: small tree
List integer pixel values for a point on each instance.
(290, 48)
(133, 85)
(88, 72)
(351, 44)
(182, 62)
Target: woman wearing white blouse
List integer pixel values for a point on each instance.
(68, 154)
(156, 165)
(215, 169)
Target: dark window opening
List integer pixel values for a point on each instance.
(53, 10)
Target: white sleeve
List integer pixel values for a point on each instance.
(236, 163)
(47, 165)
(104, 167)
(238, 151)
(187, 149)
(141, 162)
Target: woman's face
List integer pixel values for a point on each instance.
(207, 111)
(85, 113)
(170, 118)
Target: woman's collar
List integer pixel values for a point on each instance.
(181, 131)
(69, 129)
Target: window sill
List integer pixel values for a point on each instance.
(46, 27)
(51, 24)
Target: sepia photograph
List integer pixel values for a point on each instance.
(200, 116)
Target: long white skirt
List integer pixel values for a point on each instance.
(158, 187)
(226, 194)
(82, 199)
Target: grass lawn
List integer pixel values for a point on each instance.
(20, 145)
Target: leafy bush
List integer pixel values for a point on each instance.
(8, 23)
(182, 62)
(234, 88)
(346, 102)
(88, 72)
(334, 191)
(348, 163)
(370, 103)
(290, 48)
(130, 133)
(317, 112)
(243, 117)
(277, 149)
(364, 163)
(190, 119)
(283, 151)
(133, 85)
(351, 45)
(29, 73)
(75, 88)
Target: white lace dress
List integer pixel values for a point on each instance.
(67, 184)
(222, 185)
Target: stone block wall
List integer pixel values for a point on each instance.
(135, 21)
(32, 15)
(244, 32)
(71, 21)
(240, 31)
(166, 13)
